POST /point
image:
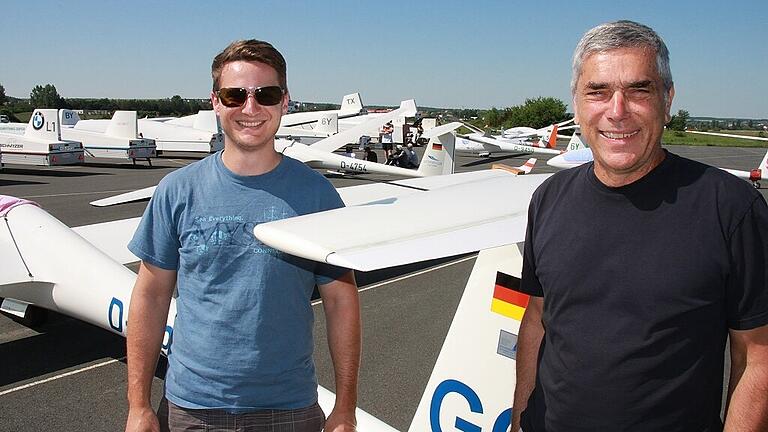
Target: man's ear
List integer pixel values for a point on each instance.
(215, 102)
(575, 111)
(286, 99)
(668, 105)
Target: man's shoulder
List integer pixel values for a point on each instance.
(195, 168)
(189, 174)
(304, 177)
(710, 179)
(563, 179)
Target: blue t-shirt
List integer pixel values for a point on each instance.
(242, 338)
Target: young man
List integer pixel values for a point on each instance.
(242, 341)
(639, 266)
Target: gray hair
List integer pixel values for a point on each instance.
(622, 34)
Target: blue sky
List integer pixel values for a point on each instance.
(445, 54)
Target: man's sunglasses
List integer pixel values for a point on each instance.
(236, 96)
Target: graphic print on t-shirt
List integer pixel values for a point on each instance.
(212, 232)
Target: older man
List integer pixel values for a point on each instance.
(640, 265)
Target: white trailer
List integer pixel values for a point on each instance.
(196, 133)
(39, 142)
(119, 140)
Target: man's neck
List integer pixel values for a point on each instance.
(250, 163)
(618, 179)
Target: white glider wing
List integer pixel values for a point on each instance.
(112, 238)
(137, 195)
(479, 210)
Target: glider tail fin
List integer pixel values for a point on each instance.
(546, 137)
(44, 124)
(207, 120)
(576, 143)
(68, 117)
(552, 140)
(328, 123)
(473, 380)
(439, 155)
(123, 124)
(351, 104)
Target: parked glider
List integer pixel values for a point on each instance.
(351, 106)
(95, 288)
(480, 143)
(438, 159)
(523, 132)
(579, 154)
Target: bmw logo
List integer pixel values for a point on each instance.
(38, 120)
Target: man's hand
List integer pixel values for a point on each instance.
(150, 301)
(342, 314)
(341, 422)
(142, 420)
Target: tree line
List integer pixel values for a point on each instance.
(46, 96)
(536, 113)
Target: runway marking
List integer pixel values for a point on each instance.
(53, 378)
(180, 162)
(408, 276)
(80, 193)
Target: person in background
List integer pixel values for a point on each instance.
(413, 158)
(370, 155)
(386, 139)
(348, 151)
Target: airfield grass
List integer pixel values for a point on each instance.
(683, 138)
(24, 116)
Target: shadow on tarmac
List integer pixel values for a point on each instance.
(191, 157)
(373, 277)
(123, 165)
(20, 182)
(63, 343)
(492, 159)
(42, 172)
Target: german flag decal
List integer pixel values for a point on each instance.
(507, 300)
(436, 146)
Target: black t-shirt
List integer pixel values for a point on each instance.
(641, 284)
